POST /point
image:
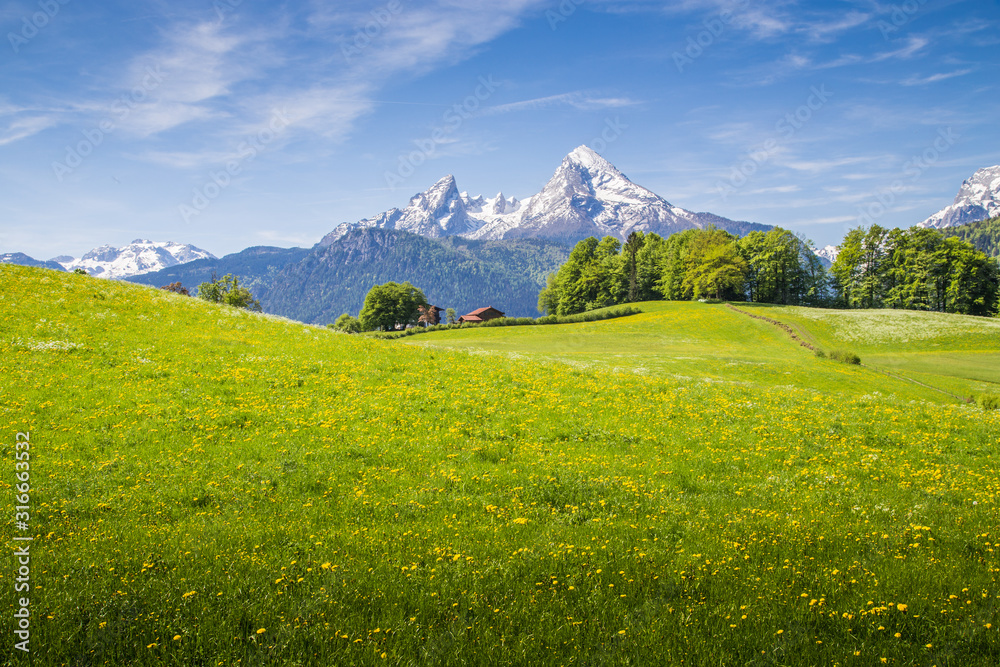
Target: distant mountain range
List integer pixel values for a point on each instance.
(465, 252)
(978, 199)
(587, 196)
(24, 260)
(256, 267)
(139, 257)
(453, 272)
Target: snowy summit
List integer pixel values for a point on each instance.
(140, 256)
(978, 199)
(587, 196)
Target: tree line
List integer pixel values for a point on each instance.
(915, 269)
(919, 269)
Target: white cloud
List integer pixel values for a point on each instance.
(22, 128)
(914, 45)
(779, 189)
(577, 100)
(823, 31)
(817, 166)
(183, 80)
(833, 220)
(934, 78)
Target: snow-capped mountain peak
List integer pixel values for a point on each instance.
(439, 199)
(586, 196)
(828, 253)
(590, 159)
(140, 256)
(977, 199)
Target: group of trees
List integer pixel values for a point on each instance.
(919, 269)
(774, 266)
(226, 290)
(915, 269)
(391, 304)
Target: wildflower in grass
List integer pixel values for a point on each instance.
(177, 638)
(261, 631)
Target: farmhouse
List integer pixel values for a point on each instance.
(481, 315)
(432, 313)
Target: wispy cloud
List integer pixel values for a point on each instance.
(934, 78)
(194, 73)
(827, 30)
(914, 45)
(778, 189)
(819, 166)
(577, 100)
(22, 128)
(835, 220)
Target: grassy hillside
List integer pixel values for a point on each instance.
(211, 486)
(959, 353)
(690, 341)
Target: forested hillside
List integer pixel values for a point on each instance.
(256, 267)
(452, 273)
(985, 235)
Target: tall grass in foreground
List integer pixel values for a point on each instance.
(214, 487)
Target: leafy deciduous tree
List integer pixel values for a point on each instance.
(389, 305)
(228, 290)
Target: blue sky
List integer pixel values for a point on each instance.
(245, 123)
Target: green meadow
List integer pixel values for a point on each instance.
(687, 486)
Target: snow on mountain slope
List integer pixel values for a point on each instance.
(140, 256)
(978, 199)
(587, 196)
(828, 253)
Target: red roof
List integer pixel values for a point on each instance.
(480, 311)
(471, 318)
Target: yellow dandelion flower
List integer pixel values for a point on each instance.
(261, 631)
